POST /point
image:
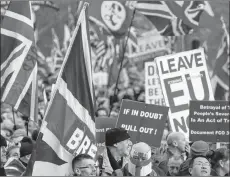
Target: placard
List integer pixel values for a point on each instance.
(209, 121)
(184, 77)
(102, 125)
(148, 47)
(153, 92)
(144, 122)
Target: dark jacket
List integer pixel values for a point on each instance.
(109, 166)
(2, 171)
(158, 170)
(184, 169)
(213, 173)
(164, 166)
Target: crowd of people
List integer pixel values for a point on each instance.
(119, 157)
(122, 158)
(174, 157)
(18, 138)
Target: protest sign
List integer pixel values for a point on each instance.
(209, 121)
(102, 125)
(144, 122)
(153, 92)
(148, 46)
(184, 77)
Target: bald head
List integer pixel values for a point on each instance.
(176, 139)
(175, 136)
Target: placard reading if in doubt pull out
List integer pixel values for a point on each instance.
(144, 122)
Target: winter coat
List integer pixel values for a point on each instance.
(164, 166)
(184, 169)
(111, 168)
(2, 171)
(155, 171)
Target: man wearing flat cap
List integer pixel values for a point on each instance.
(116, 153)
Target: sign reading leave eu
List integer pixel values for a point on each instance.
(184, 77)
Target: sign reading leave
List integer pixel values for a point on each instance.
(148, 47)
(144, 122)
(209, 121)
(184, 77)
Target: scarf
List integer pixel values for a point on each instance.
(114, 164)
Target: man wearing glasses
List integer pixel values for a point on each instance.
(199, 166)
(84, 165)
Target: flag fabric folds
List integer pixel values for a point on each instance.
(172, 18)
(68, 128)
(56, 52)
(221, 72)
(14, 167)
(98, 41)
(113, 72)
(114, 16)
(18, 58)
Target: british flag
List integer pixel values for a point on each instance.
(18, 58)
(221, 72)
(172, 18)
(70, 112)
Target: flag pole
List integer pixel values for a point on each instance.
(13, 118)
(225, 29)
(218, 145)
(122, 59)
(65, 59)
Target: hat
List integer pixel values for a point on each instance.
(26, 146)
(199, 148)
(115, 135)
(3, 141)
(140, 163)
(141, 150)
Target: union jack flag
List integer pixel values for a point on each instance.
(70, 112)
(221, 72)
(178, 17)
(18, 58)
